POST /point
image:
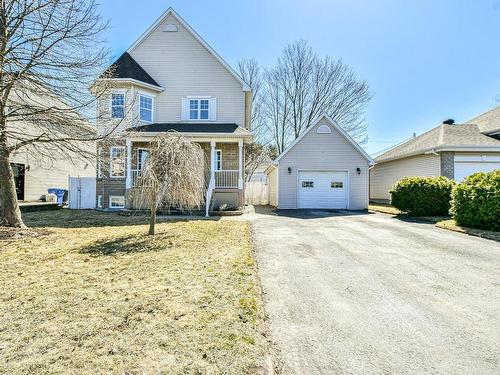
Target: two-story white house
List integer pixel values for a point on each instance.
(170, 79)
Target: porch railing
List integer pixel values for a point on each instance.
(136, 173)
(223, 178)
(226, 179)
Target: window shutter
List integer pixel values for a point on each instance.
(185, 109)
(213, 109)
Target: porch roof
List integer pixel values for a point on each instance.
(188, 127)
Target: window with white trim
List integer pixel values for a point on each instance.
(218, 160)
(337, 185)
(142, 155)
(146, 108)
(116, 201)
(307, 184)
(118, 105)
(99, 201)
(117, 162)
(199, 109)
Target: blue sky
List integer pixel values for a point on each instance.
(425, 60)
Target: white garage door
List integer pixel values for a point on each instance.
(325, 189)
(464, 169)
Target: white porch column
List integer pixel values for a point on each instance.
(128, 179)
(212, 163)
(240, 164)
(211, 183)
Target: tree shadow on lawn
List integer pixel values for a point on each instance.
(133, 243)
(67, 218)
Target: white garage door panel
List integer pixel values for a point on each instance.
(464, 169)
(315, 189)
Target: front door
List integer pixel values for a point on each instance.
(18, 170)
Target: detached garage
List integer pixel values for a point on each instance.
(324, 168)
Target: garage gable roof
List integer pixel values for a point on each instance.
(338, 128)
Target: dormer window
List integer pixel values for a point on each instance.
(146, 108)
(118, 105)
(198, 109)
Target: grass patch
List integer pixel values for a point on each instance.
(391, 210)
(452, 225)
(384, 208)
(94, 294)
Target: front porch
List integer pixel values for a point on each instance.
(224, 169)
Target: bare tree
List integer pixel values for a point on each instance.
(302, 86)
(50, 53)
(173, 176)
(277, 108)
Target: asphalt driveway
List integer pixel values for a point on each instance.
(370, 294)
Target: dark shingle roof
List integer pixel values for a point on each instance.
(189, 127)
(127, 67)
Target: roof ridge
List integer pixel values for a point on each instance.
(471, 121)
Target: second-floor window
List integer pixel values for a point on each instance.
(198, 109)
(117, 105)
(146, 108)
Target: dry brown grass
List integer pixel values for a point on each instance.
(452, 225)
(384, 208)
(96, 295)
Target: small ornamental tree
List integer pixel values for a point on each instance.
(173, 176)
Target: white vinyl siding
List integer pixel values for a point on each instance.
(323, 152)
(178, 62)
(44, 174)
(384, 175)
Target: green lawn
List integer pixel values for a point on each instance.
(92, 293)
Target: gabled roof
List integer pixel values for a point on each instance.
(171, 11)
(338, 128)
(444, 137)
(126, 68)
(488, 122)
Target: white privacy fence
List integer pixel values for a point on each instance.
(256, 192)
(81, 193)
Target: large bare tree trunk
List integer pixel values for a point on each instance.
(10, 207)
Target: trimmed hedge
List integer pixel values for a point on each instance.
(422, 196)
(476, 201)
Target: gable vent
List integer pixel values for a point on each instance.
(170, 28)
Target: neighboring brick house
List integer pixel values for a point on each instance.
(452, 150)
(170, 79)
